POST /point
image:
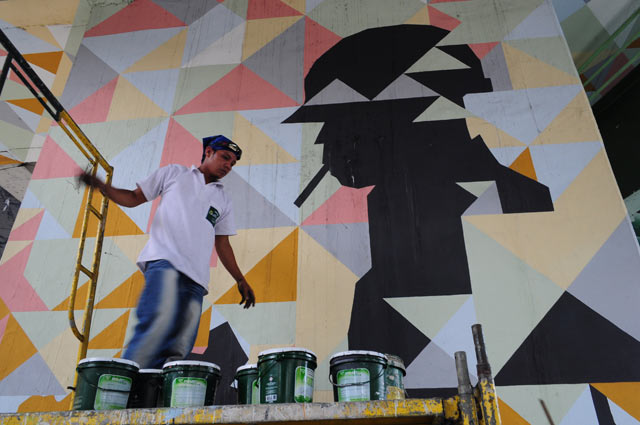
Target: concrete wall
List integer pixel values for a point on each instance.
(467, 183)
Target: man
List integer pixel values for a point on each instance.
(195, 214)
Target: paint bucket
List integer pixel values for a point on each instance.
(394, 378)
(104, 383)
(357, 375)
(286, 375)
(189, 383)
(147, 389)
(247, 384)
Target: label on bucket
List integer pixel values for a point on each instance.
(112, 392)
(271, 390)
(351, 391)
(255, 392)
(303, 392)
(188, 392)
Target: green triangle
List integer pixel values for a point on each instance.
(550, 50)
(61, 197)
(66, 144)
(525, 399)
(104, 317)
(202, 124)
(115, 268)
(510, 297)
(443, 109)
(428, 314)
(476, 188)
(112, 137)
(436, 60)
(193, 81)
(13, 90)
(281, 317)
(15, 139)
(42, 327)
(239, 7)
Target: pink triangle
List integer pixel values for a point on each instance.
(95, 108)
(15, 291)
(317, 40)
(240, 89)
(28, 230)
(3, 325)
(347, 205)
(213, 262)
(54, 162)
(154, 208)
(139, 15)
(481, 49)
(442, 20)
(180, 146)
(260, 9)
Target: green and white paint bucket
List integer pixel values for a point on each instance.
(358, 375)
(104, 383)
(247, 384)
(147, 389)
(394, 378)
(286, 375)
(189, 383)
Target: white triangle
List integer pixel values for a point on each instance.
(443, 109)
(436, 60)
(336, 92)
(620, 416)
(225, 50)
(558, 399)
(60, 33)
(476, 188)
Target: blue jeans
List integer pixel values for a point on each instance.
(168, 313)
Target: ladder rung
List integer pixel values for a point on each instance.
(86, 271)
(95, 211)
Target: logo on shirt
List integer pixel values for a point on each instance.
(212, 216)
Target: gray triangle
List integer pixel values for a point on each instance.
(10, 116)
(488, 203)
(405, 87)
(495, 68)
(187, 11)
(609, 282)
(436, 60)
(33, 377)
(89, 73)
(432, 368)
(336, 92)
(280, 61)
(251, 209)
(476, 188)
(348, 242)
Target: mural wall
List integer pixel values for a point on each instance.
(409, 169)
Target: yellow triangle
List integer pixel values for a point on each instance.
(299, 5)
(31, 13)
(624, 394)
(420, 18)
(45, 124)
(118, 223)
(259, 32)
(492, 136)
(250, 246)
(4, 310)
(126, 295)
(12, 248)
(260, 148)
(541, 239)
(16, 342)
(24, 215)
(113, 335)
(523, 164)
(574, 124)
(325, 298)
(81, 298)
(167, 56)
(129, 103)
(48, 403)
(274, 278)
(527, 71)
(202, 338)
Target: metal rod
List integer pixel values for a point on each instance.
(614, 77)
(311, 186)
(546, 411)
(487, 397)
(466, 403)
(612, 57)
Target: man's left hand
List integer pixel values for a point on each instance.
(248, 297)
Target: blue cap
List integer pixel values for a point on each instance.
(220, 142)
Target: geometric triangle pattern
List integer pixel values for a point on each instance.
(526, 223)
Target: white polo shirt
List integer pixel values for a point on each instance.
(187, 220)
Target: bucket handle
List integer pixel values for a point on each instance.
(353, 384)
(99, 387)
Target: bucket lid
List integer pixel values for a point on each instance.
(357, 353)
(150, 371)
(396, 361)
(190, 363)
(247, 366)
(286, 350)
(109, 360)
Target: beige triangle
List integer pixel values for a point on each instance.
(574, 124)
(493, 137)
(258, 348)
(24, 215)
(560, 243)
(44, 125)
(262, 31)
(130, 245)
(420, 18)
(60, 354)
(12, 248)
(526, 71)
(166, 56)
(43, 33)
(250, 246)
(436, 60)
(299, 5)
(31, 13)
(62, 74)
(260, 148)
(325, 297)
(129, 103)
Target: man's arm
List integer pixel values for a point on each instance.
(124, 197)
(228, 259)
